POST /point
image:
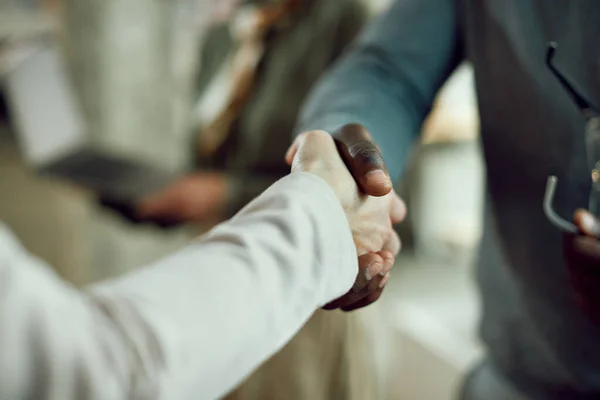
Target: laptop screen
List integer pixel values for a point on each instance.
(48, 122)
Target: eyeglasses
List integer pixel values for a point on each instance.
(592, 144)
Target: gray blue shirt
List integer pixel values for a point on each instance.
(534, 332)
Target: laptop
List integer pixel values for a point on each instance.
(52, 134)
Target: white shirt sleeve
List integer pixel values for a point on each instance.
(190, 326)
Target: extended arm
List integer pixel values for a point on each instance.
(190, 326)
(389, 79)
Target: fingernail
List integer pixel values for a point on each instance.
(373, 270)
(385, 270)
(377, 177)
(389, 263)
(590, 224)
(384, 280)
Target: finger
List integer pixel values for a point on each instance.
(388, 260)
(398, 210)
(363, 159)
(586, 251)
(587, 222)
(368, 300)
(291, 152)
(371, 267)
(161, 205)
(582, 255)
(583, 259)
(179, 202)
(392, 243)
(355, 295)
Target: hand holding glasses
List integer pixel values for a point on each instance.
(592, 143)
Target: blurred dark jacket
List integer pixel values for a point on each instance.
(297, 50)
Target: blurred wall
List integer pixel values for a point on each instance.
(133, 63)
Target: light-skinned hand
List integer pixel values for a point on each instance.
(370, 217)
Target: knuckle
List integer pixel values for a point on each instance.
(317, 137)
(366, 153)
(317, 133)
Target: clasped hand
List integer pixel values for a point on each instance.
(349, 170)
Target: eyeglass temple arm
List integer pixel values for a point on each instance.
(584, 105)
(552, 216)
(552, 181)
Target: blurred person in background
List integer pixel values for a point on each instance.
(539, 285)
(256, 70)
(194, 324)
(265, 57)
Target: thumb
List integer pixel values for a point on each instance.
(363, 159)
(587, 223)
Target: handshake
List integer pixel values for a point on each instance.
(353, 167)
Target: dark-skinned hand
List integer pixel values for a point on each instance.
(372, 230)
(582, 255)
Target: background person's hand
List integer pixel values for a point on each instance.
(582, 255)
(199, 197)
(369, 217)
